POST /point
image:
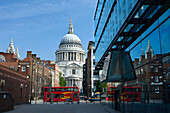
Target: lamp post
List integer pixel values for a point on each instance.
(51, 95)
(31, 81)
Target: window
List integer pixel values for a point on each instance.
(75, 95)
(166, 75)
(75, 89)
(40, 80)
(156, 89)
(73, 71)
(70, 89)
(155, 69)
(2, 58)
(12, 67)
(46, 89)
(23, 68)
(57, 96)
(156, 78)
(39, 90)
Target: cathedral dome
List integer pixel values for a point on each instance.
(70, 38)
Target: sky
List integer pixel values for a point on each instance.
(39, 25)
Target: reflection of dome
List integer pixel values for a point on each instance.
(70, 39)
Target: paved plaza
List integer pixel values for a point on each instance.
(62, 108)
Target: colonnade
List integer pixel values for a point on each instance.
(72, 82)
(70, 56)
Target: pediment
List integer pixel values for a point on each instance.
(73, 65)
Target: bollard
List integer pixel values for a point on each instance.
(72, 98)
(51, 98)
(46, 98)
(77, 98)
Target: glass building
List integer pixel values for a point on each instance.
(140, 28)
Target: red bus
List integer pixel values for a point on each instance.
(130, 93)
(61, 93)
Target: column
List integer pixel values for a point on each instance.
(70, 55)
(61, 57)
(64, 55)
(76, 82)
(57, 57)
(67, 82)
(80, 57)
(73, 56)
(72, 82)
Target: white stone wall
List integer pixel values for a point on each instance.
(75, 61)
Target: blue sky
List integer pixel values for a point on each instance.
(39, 25)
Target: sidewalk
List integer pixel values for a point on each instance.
(62, 108)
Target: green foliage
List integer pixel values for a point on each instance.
(62, 82)
(100, 85)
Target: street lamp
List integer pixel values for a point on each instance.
(31, 81)
(51, 94)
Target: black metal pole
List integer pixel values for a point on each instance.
(31, 83)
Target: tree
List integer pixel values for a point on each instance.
(100, 85)
(62, 82)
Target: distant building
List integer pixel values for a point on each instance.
(90, 76)
(70, 58)
(11, 49)
(85, 91)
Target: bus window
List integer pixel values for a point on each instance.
(53, 89)
(70, 89)
(75, 95)
(57, 96)
(57, 89)
(62, 89)
(46, 89)
(62, 95)
(66, 89)
(75, 89)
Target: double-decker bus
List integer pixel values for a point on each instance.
(61, 93)
(129, 94)
(96, 97)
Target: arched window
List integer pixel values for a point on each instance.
(2, 58)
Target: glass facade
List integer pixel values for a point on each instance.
(150, 53)
(109, 28)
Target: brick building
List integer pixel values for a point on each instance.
(9, 60)
(15, 83)
(152, 74)
(42, 73)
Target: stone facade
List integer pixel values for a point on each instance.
(70, 57)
